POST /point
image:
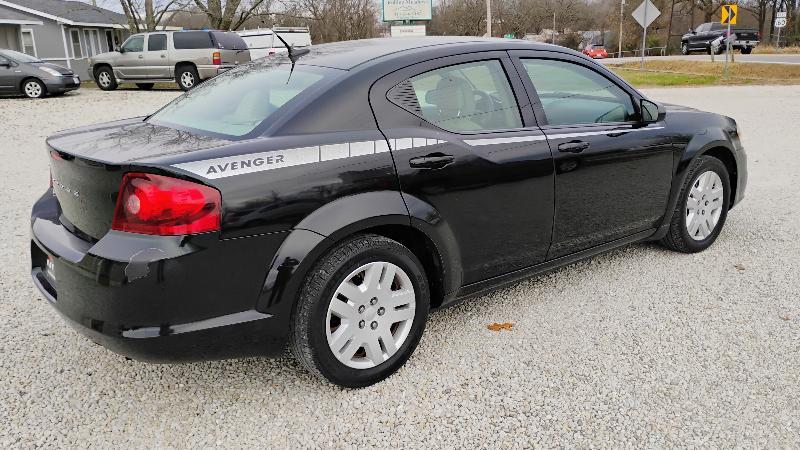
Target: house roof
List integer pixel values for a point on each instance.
(13, 17)
(69, 12)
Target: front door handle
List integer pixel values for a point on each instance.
(141, 56)
(573, 146)
(432, 161)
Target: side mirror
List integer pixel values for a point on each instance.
(117, 48)
(691, 30)
(651, 112)
(5, 63)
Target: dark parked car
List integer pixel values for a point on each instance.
(702, 37)
(328, 204)
(23, 74)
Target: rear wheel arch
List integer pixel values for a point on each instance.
(180, 64)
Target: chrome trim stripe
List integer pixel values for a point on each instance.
(504, 140)
(515, 139)
(596, 133)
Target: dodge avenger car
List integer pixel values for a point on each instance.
(326, 201)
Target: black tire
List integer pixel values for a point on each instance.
(720, 50)
(308, 335)
(184, 74)
(678, 237)
(105, 79)
(33, 88)
(747, 50)
(145, 86)
(685, 48)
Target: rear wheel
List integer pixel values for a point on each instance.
(33, 88)
(361, 312)
(105, 79)
(186, 76)
(145, 86)
(702, 207)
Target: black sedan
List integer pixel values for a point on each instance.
(327, 201)
(23, 74)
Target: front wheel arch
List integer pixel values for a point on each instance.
(27, 79)
(726, 156)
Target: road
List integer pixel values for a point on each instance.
(774, 59)
(640, 347)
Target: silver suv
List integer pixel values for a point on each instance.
(188, 57)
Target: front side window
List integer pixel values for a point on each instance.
(156, 42)
(574, 94)
(75, 37)
(235, 103)
(134, 44)
(467, 97)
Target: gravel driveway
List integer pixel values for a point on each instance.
(638, 347)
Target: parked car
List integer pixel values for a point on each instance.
(327, 201)
(595, 51)
(262, 42)
(701, 38)
(23, 74)
(187, 57)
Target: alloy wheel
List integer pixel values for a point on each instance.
(187, 79)
(33, 89)
(104, 78)
(370, 315)
(704, 205)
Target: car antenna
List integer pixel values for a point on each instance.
(294, 55)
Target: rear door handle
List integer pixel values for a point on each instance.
(432, 161)
(573, 146)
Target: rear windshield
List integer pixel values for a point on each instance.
(237, 102)
(192, 39)
(230, 41)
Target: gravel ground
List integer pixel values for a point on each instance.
(639, 347)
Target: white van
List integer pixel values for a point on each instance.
(262, 42)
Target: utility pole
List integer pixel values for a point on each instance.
(489, 18)
(621, 17)
(554, 24)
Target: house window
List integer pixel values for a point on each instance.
(110, 40)
(75, 36)
(28, 44)
(87, 40)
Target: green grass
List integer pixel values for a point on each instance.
(657, 79)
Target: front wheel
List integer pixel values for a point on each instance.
(105, 79)
(747, 50)
(33, 88)
(684, 48)
(702, 207)
(361, 311)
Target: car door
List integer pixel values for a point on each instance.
(465, 142)
(613, 172)
(696, 37)
(155, 58)
(10, 75)
(130, 62)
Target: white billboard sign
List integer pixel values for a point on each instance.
(396, 10)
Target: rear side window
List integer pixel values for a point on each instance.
(156, 42)
(229, 41)
(573, 94)
(236, 102)
(466, 97)
(184, 40)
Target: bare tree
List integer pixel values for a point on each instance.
(148, 15)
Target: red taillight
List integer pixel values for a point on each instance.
(216, 58)
(164, 206)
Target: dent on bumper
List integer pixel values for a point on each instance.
(155, 298)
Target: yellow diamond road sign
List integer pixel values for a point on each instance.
(729, 13)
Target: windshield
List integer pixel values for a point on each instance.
(20, 57)
(235, 103)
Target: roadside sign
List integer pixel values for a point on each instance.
(646, 13)
(780, 15)
(509, 36)
(780, 22)
(729, 13)
(397, 10)
(408, 30)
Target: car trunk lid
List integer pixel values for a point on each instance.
(87, 166)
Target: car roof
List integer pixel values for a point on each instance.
(349, 54)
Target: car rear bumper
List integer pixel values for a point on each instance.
(62, 84)
(210, 71)
(154, 298)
